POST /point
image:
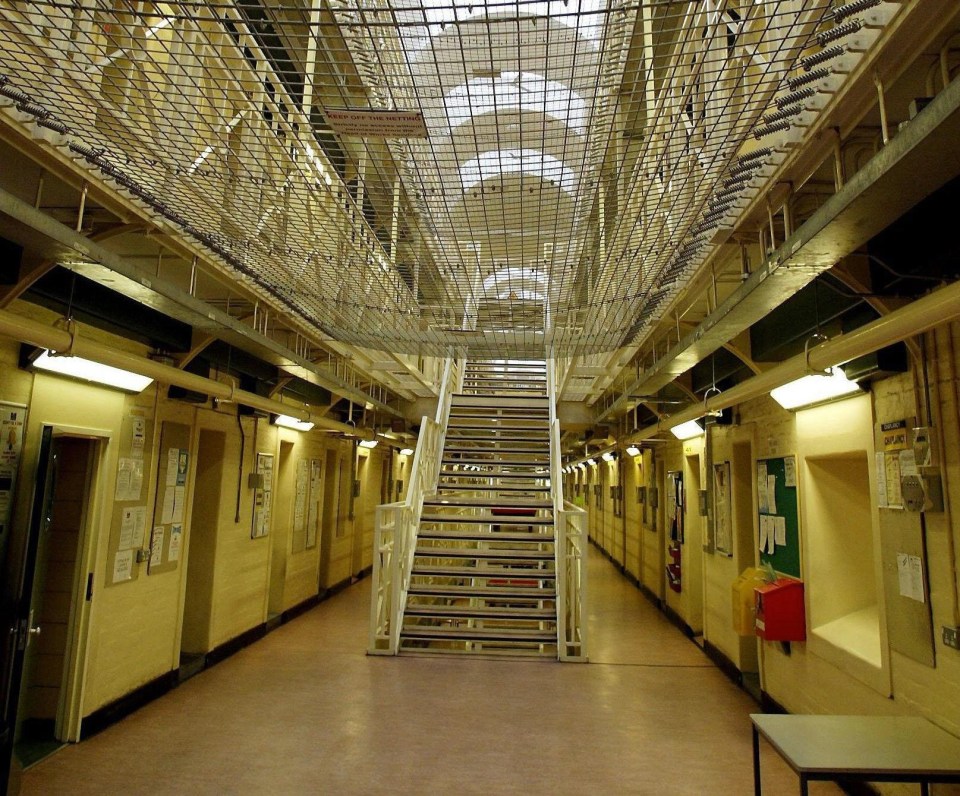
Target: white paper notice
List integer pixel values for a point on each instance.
(780, 530)
(772, 494)
(126, 529)
(892, 467)
(156, 547)
(768, 541)
(916, 578)
(881, 480)
(173, 550)
(908, 463)
(166, 513)
(139, 526)
(123, 566)
(790, 471)
(173, 458)
(138, 437)
(123, 480)
(910, 577)
(762, 487)
(179, 496)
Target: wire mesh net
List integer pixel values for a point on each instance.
(503, 177)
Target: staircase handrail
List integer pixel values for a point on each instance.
(570, 547)
(395, 532)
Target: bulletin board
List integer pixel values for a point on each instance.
(129, 515)
(722, 522)
(262, 496)
(779, 521)
(301, 497)
(903, 551)
(170, 505)
(313, 505)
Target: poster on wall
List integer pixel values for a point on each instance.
(721, 508)
(313, 511)
(262, 496)
(12, 422)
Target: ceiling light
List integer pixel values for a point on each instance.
(406, 451)
(608, 456)
(816, 388)
(368, 443)
(592, 462)
(688, 430)
(93, 372)
(633, 450)
(286, 421)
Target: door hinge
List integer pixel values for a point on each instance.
(89, 586)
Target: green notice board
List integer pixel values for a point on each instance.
(779, 525)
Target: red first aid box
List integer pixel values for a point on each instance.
(780, 612)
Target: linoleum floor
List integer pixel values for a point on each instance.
(305, 711)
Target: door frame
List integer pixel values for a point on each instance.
(85, 581)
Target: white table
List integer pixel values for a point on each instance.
(860, 748)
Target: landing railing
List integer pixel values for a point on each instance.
(395, 531)
(570, 527)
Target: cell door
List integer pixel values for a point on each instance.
(19, 570)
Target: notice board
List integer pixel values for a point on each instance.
(129, 516)
(777, 507)
(170, 505)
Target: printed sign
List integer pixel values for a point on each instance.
(372, 123)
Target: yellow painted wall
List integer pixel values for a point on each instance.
(836, 442)
(134, 627)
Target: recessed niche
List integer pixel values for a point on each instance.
(841, 577)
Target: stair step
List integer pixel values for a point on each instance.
(474, 475)
(465, 534)
(500, 462)
(526, 575)
(483, 555)
(495, 433)
(499, 414)
(505, 488)
(526, 377)
(490, 472)
(487, 502)
(485, 592)
(481, 612)
(499, 424)
(489, 447)
(513, 635)
(471, 399)
(487, 519)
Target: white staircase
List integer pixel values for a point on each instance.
(483, 577)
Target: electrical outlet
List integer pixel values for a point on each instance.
(951, 637)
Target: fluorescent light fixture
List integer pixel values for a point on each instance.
(93, 372)
(816, 388)
(292, 422)
(607, 456)
(688, 430)
(633, 450)
(406, 451)
(369, 443)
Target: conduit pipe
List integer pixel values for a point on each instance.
(39, 334)
(919, 316)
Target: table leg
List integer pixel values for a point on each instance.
(756, 762)
(924, 789)
(803, 785)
